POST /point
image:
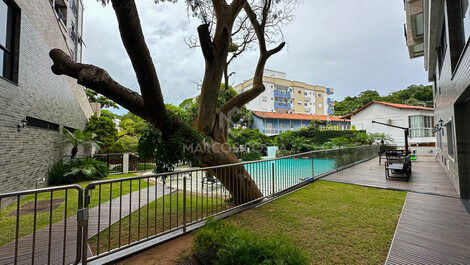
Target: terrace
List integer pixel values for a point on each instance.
(124, 216)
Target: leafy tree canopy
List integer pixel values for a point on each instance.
(103, 130)
(97, 98)
(412, 95)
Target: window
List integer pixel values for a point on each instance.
(421, 126)
(450, 138)
(9, 29)
(33, 122)
(300, 91)
(442, 47)
(299, 102)
(419, 25)
(319, 95)
(61, 11)
(305, 93)
(70, 129)
(466, 18)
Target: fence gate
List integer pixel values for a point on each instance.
(42, 226)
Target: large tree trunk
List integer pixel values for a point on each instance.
(235, 179)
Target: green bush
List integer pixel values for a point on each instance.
(221, 243)
(250, 156)
(76, 170)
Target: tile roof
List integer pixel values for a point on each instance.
(297, 116)
(394, 105)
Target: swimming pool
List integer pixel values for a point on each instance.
(287, 172)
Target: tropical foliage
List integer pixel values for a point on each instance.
(413, 95)
(222, 243)
(75, 170)
(78, 138)
(97, 98)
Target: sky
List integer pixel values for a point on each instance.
(350, 46)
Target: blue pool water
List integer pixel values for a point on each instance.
(287, 172)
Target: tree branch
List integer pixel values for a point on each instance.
(258, 87)
(97, 79)
(136, 47)
(206, 43)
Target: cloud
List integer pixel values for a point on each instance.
(350, 46)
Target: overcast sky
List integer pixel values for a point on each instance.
(350, 46)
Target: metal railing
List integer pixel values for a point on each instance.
(112, 215)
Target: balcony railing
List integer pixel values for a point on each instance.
(71, 224)
(279, 105)
(281, 94)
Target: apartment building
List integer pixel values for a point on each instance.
(36, 104)
(439, 30)
(287, 96)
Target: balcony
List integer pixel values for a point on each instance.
(282, 93)
(279, 105)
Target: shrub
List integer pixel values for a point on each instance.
(222, 243)
(250, 156)
(75, 170)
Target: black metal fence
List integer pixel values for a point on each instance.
(107, 216)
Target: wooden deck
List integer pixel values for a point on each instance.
(432, 230)
(427, 177)
(434, 227)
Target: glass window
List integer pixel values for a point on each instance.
(466, 18)
(421, 126)
(419, 24)
(450, 138)
(7, 39)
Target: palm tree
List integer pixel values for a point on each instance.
(78, 138)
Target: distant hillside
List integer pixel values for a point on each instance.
(412, 95)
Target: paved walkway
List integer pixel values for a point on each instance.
(66, 255)
(434, 227)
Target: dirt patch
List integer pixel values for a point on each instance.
(41, 206)
(169, 253)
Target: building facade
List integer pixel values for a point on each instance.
(446, 33)
(36, 104)
(419, 119)
(271, 123)
(286, 96)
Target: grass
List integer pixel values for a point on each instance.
(163, 215)
(335, 223)
(8, 222)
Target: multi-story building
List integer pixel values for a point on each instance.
(36, 104)
(272, 123)
(286, 96)
(442, 29)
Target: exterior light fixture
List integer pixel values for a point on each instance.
(22, 124)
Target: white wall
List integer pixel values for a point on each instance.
(382, 113)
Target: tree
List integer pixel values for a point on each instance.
(103, 130)
(412, 95)
(215, 39)
(97, 98)
(77, 138)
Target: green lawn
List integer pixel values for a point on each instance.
(159, 220)
(335, 223)
(8, 222)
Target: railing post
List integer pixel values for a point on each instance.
(272, 171)
(184, 204)
(83, 216)
(313, 168)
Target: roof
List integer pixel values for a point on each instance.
(297, 116)
(394, 105)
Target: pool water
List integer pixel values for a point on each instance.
(287, 172)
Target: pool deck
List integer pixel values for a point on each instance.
(434, 226)
(427, 177)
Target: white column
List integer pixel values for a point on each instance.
(125, 163)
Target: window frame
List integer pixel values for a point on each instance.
(12, 39)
